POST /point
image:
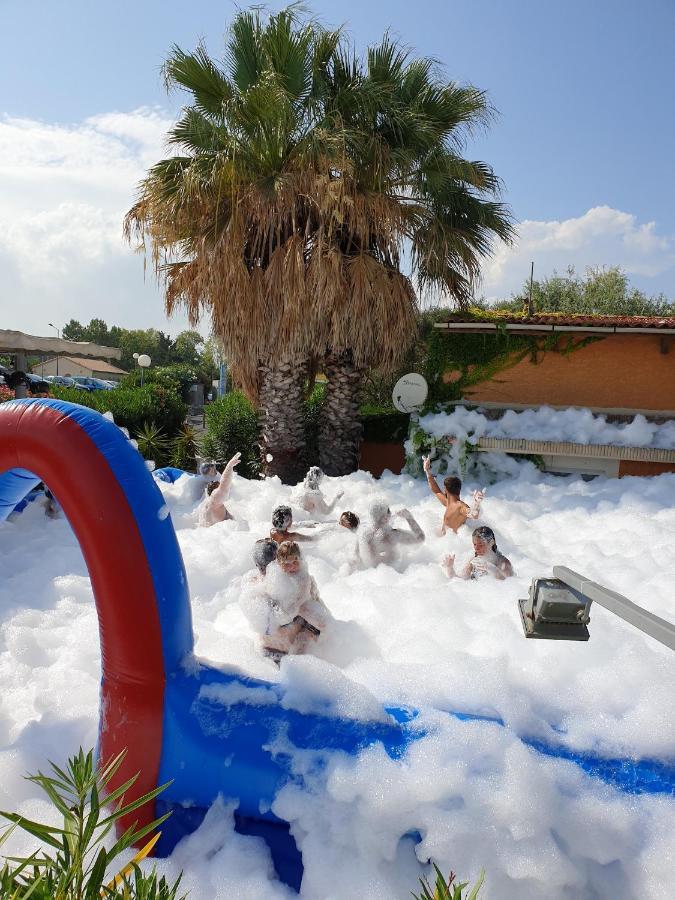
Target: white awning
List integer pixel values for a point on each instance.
(20, 342)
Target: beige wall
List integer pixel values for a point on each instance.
(66, 367)
(618, 372)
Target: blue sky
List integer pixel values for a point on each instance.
(584, 140)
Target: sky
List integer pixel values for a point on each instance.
(583, 137)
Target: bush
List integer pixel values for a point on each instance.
(133, 408)
(77, 863)
(177, 378)
(185, 449)
(231, 426)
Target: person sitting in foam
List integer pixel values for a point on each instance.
(311, 498)
(456, 511)
(380, 541)
(487, 559)
(284, 606)
(282, 519)
(212, 508)
(351, 522)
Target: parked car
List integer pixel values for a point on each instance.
(61, 380)
(111, 384)
(91, 384)
(84, 383)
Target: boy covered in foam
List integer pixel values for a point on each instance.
(282, 519)
(283, 606)
(456, 510)
(310, 497)
(487, 559)
(212, 509)
(380, 542)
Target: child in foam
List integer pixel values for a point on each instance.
(282, 519)
(487, 559)
(456, 510)
(380, 541)
(212, 508)
(283, 606)
(310, 497)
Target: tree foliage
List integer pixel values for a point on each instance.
(605, 291)
(188, 348)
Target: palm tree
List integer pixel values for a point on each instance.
(302, 177)
(404, 130)
(228, 220)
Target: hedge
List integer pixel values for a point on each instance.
(134, 408)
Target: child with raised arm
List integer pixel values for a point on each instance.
(456, 510)
(380, 541)
(311, 498)
(212, 508)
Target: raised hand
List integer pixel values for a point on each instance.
(426, 464)
(449, 564)
(479, 496)
(236, 459)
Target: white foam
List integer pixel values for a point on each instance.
(579, 426)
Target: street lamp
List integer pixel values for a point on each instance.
(143, 361)
(58, 334)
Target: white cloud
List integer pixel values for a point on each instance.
(65, 191)
(600, 237)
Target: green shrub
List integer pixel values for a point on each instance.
(176, 378)
(133, 408)
(80, 861)
(185, 448)
(231, 426)
(153, 444)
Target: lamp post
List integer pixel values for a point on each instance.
(143, 361)
(58, 334)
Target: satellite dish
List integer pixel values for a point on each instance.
(410, 392)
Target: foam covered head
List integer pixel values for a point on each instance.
(380, 513)
(313, 478)
(264, 552)
(282, 517)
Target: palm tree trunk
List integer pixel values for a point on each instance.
(282, 418)
(340, 426)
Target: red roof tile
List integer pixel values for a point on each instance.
(566, 319)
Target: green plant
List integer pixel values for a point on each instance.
(313, 409)
(133, 407)
(448, 890)
(153, 444)
(231, 426)
(185, 448)
(76, 864)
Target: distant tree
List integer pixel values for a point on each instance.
(73, 331)
(186, 346)
(601, 291)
